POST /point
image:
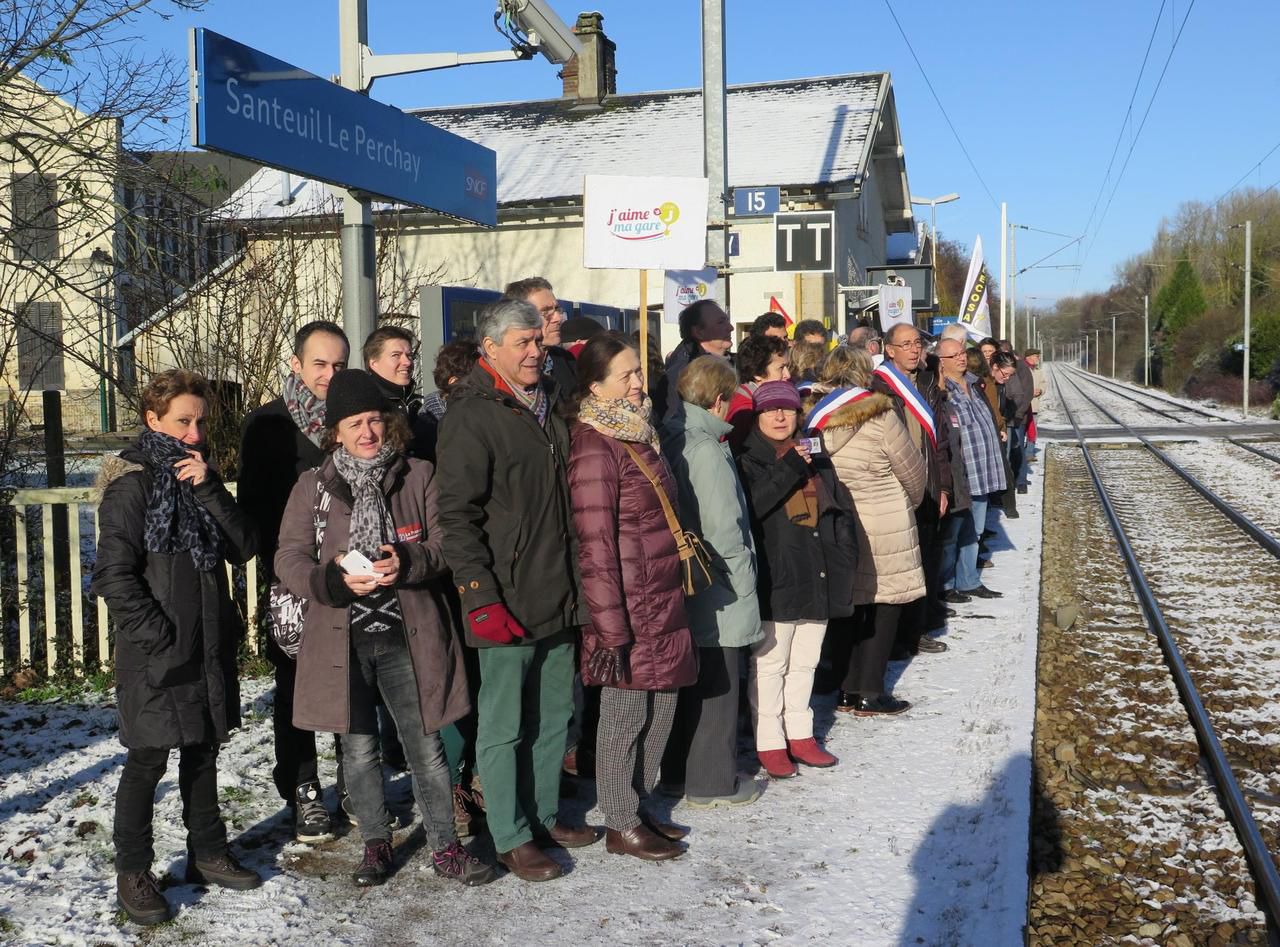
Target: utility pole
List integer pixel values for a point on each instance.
(1146, 343)
(1086, 351)
(1248, 294)
(1113, 347)
(359, 285)
(1097, 350)
(1004, 250)
(714, 133)
(1013, 288)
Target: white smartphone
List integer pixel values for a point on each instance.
(356, 563)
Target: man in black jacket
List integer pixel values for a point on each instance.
(705, 329)
(280, 441)
(509, 540)
(558, 363)
(904, 349)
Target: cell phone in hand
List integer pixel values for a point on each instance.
(356, 563)
(812, 444)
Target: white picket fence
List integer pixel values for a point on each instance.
(38, 627)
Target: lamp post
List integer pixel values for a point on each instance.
(102, 266)
(933, 203)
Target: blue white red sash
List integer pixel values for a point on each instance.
(822, 411)
(901, 386)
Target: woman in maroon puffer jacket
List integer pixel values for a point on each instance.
(636, 646)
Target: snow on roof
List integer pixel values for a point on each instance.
(798, 132)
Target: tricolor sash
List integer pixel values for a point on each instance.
(822, 411)
(901, 386)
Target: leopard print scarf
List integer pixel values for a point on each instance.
(175, 520)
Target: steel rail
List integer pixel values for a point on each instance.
(1128, 392)
(1266, 877)
(1248, 526)
(1255, 450)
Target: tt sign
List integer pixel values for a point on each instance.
(250, 104)
(804, 242)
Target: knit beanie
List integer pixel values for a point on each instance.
(769, 396)
(352, 391)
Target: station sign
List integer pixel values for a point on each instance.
(756, 201)
(804, 242)
(252, 105)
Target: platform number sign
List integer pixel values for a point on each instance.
(804, 242)
(756, 201)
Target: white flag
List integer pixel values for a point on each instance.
(975, 310)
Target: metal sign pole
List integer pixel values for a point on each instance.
(359, 279)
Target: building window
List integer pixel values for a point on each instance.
(35, 217)
(40, 346)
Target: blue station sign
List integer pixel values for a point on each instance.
(255, 106)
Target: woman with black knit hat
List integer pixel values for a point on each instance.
(360, 540)
(167, 527)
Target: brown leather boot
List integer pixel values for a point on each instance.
(139, 894)
(667, 830)
(527, 862)
(642, 842)
(561, 835)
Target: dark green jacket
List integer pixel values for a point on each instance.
(504, 507)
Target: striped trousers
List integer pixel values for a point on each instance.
(632, 735)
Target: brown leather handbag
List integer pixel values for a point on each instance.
(695, 561)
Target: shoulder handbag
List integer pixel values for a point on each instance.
(695, 561)
(287, 612)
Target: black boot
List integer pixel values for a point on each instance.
(139, 894)
(222, 870)
(376, 864)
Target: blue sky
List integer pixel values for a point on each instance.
(1037, 90)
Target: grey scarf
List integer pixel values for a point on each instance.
(371, 523)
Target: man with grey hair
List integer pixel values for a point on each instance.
(864, 337)
(510, 543)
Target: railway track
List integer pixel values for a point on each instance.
(1198, 575)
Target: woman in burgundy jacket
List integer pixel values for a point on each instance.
(636, 647)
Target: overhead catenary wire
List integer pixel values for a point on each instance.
(941, 107)
(1138, 134)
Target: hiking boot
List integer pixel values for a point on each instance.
(810, 754)
(311, 819)
(457, 863)
(221, 870)
(461, 812)
(746, 792)
(376, 864)
(777, 764)
(138, 893)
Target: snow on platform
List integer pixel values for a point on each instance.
(919, 836)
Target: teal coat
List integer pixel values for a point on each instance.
(713, 505)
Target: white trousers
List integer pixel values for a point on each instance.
(781, 681)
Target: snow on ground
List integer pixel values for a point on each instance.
(919, 836)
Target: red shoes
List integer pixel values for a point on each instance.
(777, 764)
(809, 753)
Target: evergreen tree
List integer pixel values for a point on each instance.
(1181, 300)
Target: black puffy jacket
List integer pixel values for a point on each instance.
(803, 574)
(176, 628)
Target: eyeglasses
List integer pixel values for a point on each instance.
(548, 311)
(956, 355)
(917, 344)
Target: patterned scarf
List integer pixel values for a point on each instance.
(175, 520)
(620, 419)
(371, 526)
(305, 408)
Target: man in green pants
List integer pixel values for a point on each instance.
(509, 539)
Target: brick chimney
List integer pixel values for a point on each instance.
(590, 77)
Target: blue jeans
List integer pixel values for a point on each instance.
(1017, 447)
(385, 664)
(965, 532)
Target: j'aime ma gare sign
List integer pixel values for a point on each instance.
(250, 104)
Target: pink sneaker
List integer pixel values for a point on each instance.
(777, 764)
(810, 754)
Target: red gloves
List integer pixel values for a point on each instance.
(494, 623)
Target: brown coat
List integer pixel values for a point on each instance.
(631, 574)
(322, 700)
(874, 457)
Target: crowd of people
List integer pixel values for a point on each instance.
(559, 561)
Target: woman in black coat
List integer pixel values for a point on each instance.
(803, 524)
(167, 526)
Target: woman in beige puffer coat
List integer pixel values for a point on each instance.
(875, 458)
